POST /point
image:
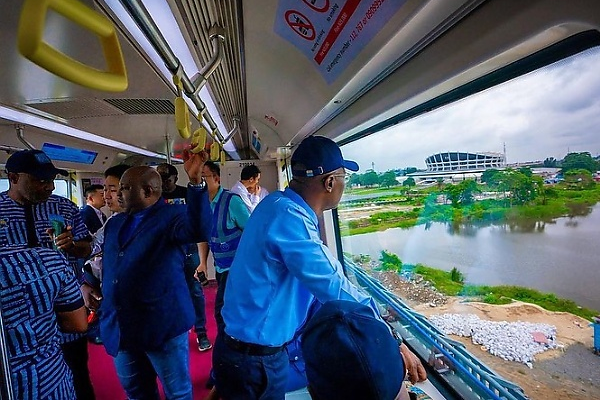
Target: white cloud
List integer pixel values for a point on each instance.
(543, 114)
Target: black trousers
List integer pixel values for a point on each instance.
(76, 357)
(219, 299)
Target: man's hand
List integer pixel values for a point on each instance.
(193, 164)
(63, 241)
(91, 296)
(415, 370)
(200, 268)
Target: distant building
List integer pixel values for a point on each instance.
(453, 166)
(461, 161)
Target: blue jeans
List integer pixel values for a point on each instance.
(196, 292)
(137, 371)
(240, 376)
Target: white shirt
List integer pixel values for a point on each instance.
(249, 199)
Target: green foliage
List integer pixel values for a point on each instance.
(410, 182)
(462, 193)
(440, 279)
(550, 162)
(388, 179)
(581, 160)
(456, 275)
(390, 262)
(370, 178)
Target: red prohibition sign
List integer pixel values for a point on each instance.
(300, 24)
(311, 4)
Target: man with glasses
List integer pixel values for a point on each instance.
(31, 216)
(281, 266)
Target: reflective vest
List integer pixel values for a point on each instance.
(223, 240)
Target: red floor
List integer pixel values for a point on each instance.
(102, 370)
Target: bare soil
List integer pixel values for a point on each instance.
(572, 372)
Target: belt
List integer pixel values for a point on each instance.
(250, 348)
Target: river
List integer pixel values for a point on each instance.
(560, 256)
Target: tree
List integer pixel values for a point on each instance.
(579, 179)
(491, 177)
(388, 179)
(550, 162)
(410, 182)
(410, 170)
(582, 160)
(462, 193)
(355, 179)
(370, 178)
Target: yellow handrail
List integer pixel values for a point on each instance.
(32, 46)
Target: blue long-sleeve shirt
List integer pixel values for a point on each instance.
(281, 264)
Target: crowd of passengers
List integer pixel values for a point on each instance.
(281, 294)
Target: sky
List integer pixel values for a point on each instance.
(546, 113)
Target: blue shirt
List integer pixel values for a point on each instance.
(35, 283)
(280, 266)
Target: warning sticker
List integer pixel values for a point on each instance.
(332, 33)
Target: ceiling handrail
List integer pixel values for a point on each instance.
(144, 21)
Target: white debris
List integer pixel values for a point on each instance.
(512, 341)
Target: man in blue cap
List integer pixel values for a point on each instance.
(280, 267)
(34, 217)
(350, 354)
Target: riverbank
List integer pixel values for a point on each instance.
(572, 372)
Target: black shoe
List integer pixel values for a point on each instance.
(203, 343)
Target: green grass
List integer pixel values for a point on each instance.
(504, 294)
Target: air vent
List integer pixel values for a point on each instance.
(143, 106)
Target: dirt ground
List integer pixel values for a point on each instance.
(572, 372)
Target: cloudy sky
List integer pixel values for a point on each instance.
(543, 114)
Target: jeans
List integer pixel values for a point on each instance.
(220, 299)
(196, 292)
(241, 377)
(76, 357)
(137, 371)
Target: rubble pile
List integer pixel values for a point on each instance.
(511, 341)
(411, 287)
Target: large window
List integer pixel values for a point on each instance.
(525, 226)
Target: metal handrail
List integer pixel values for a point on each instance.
(479, 375)
(144, 21)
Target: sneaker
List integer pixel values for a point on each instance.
(203, 343)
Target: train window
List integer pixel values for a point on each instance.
(60, 187)
(492, 199)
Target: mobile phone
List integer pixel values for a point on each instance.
(202, 279)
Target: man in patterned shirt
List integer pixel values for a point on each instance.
(39, 294)
(30, 216)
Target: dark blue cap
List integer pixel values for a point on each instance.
(318, 155)
(349, 354)
(33, 162)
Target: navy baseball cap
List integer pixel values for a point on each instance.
(318, 155)
(33, 162)
(350, 354)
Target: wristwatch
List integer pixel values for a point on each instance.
(201, 185)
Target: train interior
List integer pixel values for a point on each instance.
(102, 82)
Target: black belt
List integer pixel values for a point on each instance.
(250, 348)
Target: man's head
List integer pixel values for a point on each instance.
(139, 188)
(94, 196)
(349, 354)
(112, 176)
(319, 172)
(211, 173)
(31, 175)
(168, 174)
(250, 177)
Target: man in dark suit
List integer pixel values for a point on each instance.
(91, 214)
(147, 311)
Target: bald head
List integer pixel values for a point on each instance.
(139, 188)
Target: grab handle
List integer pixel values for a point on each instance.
(32, 46)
